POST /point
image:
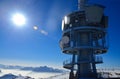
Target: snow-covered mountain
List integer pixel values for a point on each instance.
(8, 76)
(11, 76)
(45, 72)
(34, 69)
(10, 67)
(38, 75)
(43, 69)
(42, 72)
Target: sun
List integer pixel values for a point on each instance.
(19, 19)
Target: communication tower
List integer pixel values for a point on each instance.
(84, 37)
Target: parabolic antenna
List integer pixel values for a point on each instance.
(65, 39)
(61, 44)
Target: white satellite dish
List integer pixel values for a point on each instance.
(61, 44)
(65, 39)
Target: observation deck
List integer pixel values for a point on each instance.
(68, 63)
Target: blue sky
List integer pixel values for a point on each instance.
(25, 46)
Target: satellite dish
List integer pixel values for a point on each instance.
(61, 44)
(65, 39)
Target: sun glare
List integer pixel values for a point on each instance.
(35, 27)
(18, 19)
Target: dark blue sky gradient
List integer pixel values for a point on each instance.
(27, 46)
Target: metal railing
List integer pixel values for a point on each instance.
(97, 59)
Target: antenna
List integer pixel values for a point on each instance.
(84, 37)
(81, 4)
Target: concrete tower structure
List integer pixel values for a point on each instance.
(84, 38)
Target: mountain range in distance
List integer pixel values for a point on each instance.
(34, 69)
(11, 76)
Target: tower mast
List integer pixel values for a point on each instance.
(84, 37)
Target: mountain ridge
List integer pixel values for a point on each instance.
(34, 69)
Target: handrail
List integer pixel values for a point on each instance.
(98, 59)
